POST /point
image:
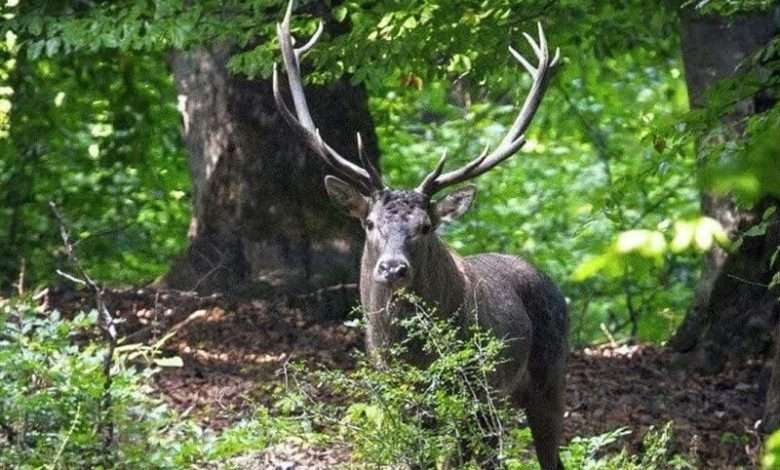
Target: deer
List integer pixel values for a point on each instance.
(503, 294)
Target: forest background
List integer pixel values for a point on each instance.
(648, 187)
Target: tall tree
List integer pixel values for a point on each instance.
(733, 312)
(260, 212)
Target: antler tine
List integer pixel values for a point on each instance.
(519, 57)
(312, 41)
(542, 40)
(514, 138)
(533, 44)
(427, 182)
(301, 120)
(376, 178)
(429, 185)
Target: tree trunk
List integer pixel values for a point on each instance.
(771, 419)
(733, 313)
(260, 213)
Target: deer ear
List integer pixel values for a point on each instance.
(346, 196)
(455, 204)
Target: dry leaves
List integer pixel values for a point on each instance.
(233, 351)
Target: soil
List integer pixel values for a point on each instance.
(235, 352)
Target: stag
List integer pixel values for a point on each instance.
(504, 294)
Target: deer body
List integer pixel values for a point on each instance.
(501, 293)
(496, 291)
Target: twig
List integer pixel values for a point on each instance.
(633, 315)
(747, 281)
(603, 152)
(490, 417)
(65, 441)
(71, 277)
(103, 233)
(20, 282)
(318, 293)
(609, 336)
(106, 324)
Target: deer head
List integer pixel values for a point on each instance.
(400, 224)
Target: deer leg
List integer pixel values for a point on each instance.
(545, 417)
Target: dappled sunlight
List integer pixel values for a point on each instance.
(313, 234)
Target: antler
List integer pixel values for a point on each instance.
(367, 178)
(515, 137)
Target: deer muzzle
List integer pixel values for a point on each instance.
(394, 271)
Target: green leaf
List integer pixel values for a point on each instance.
(775, 280)
(35, 26)
(34, 49)
(52, 46)
(683, 236)
(646, 242)
(756, 231)
(339, 13)
(385, 21)
(709, 231)
(590, 267)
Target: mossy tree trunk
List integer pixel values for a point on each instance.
(733, 315)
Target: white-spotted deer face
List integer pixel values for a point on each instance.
(399, 225)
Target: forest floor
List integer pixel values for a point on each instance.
(233, 351)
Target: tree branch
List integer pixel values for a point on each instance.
(107, 325)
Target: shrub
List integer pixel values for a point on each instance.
(447, 412)
(51, 392)
(245, 437)
(420, 417)
(52, 384)
(582, 453)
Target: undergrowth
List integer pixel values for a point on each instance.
(52, 406)
(51, 398)
(445, 414)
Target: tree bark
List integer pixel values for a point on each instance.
(260, 213)
(771, 419)
(733, 313)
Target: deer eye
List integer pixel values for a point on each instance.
(426, 229)
(369, 225)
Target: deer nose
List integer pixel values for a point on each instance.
(393, 270)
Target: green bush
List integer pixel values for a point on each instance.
(402, 414)
(248, 436)
(52, 407)
(771, 459)
(582, 453)
(52, 402)
(52, 398)
(447, 412)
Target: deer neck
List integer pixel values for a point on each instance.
(439, 280)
